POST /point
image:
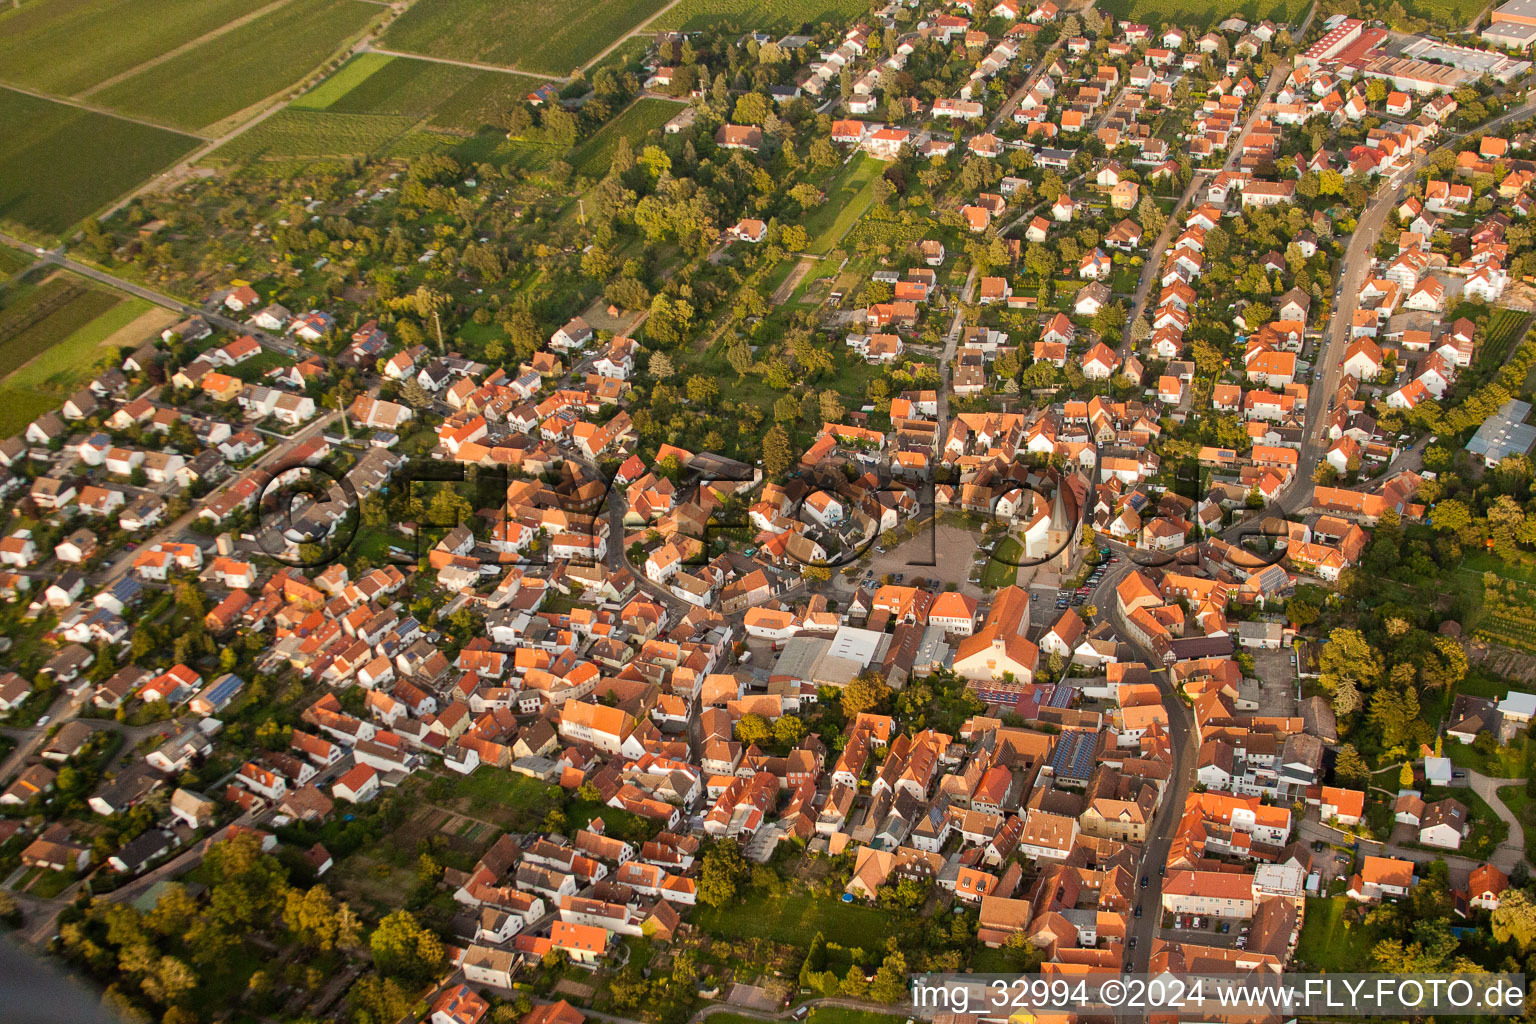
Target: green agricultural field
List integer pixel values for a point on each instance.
(1450, 13)
(635, 122)
(777, 15)
(848, 196)
(316, 133)
(59, 164)
(67, 46)
(12, 260)
(449, 97)
(529, 35)
(1203, 13)
(225, 75)
(50, 358)
(342, 81)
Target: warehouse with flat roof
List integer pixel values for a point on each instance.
(1503, 434)
(1521, 12)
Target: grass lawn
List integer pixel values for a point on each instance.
(59, 164)
(372, 882)
(1488, 829)
(526, 34)
(1520, 805)
(225, 75)
(1329, 942)
(779, 15)
(1509, 762)
(843, 1015)
(1486, 561)
(1002, 569)
(993, 961)
(51, 884)
(498, 795)
(65, 46)
(848, 196)
(635, 122)
(795, 918)
(60, 353)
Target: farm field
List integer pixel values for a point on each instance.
(777, 15)
(1203, 13)
(1503, 330)
(315, 133)
(66, 46)
(848, 196)
(1509, 614)
(593, 156)
(12, 260)
(51, 343)
(1450, 13)
(448, 97)
(528, 35)
(59, 163)
(225, 75)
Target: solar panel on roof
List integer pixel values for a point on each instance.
(1083, 762)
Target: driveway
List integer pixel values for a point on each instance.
(1512, 850)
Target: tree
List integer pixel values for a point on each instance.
(401, 946)
(415, 395)
(722, 874)
(377, 1000)
(752, 108)
(890, 984)
(1350, 768)
(776, 452)
(659, 365)
(1349, 656)
(788, 730)
(1151, 217)
(1450, 515)
(1447, 666)
(854, 984)
(313, 917)
(868, 692)
(701, 390)
(1515, 919)
(1346, 698)
(1395, 713)
(1405, 776)
(752, 729)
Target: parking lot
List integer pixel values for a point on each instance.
(1207, 931)
(1274, 687)
(940, 551)
(1084, 594)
